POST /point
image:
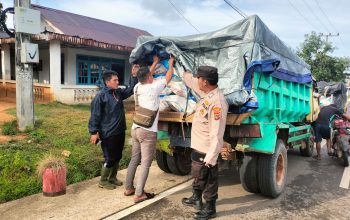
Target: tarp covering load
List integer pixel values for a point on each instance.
(237, 51)
(332, 93)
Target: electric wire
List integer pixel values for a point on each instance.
(179, 12)
(318, 5)
(305, 18)
(329, 21)
(315, 15)
(236, 9)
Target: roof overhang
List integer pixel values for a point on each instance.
(74, 40)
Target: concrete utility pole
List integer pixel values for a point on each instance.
(329, 35)
(24, 80)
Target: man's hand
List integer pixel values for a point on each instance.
(155, 59)
(93, 138)
(171, 60)
(135, 69)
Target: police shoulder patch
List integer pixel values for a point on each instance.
(202, 112)
(206, 104)
(217, 112)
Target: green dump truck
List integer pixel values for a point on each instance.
(268, 88)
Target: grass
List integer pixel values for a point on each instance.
(9, 128)
(58, 127)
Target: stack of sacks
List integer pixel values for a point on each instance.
(173, 97)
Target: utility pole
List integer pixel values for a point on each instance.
(24, 79)
(329, 35)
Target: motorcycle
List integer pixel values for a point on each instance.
(340, 136)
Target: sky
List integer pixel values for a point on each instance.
(290, 20)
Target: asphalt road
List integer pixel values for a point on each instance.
(312, 192)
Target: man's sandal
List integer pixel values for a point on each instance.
(316, 157)
(129, 192)
(145, 196)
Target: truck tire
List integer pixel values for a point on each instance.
(309, 148)
(162, 161)
(346, 158)
(272, 171)
(180, 162)
(248, 173)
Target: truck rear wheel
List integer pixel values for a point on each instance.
(272, 171)
(162, 161)
(308, 149)
(248, 173)
(180, 162)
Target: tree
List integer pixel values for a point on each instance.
(317, 53)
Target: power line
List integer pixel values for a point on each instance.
(318, 5)
(179, 12)
(314, 14)
(307, 20)
(236, 9)
(329, 21)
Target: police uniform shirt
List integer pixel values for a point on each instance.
(208, 125)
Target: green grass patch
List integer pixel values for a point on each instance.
(58, 127)
(9, 128)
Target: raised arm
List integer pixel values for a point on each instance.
(127, 92)
(169, 73)
(152, 69)
(192, 83)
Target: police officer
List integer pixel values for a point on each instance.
(207, 133)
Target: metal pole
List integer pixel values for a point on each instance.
(329, 35)
(24, 80)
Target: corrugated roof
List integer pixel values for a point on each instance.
(90, 28)
(4, 35)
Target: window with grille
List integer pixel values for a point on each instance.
(90, 69)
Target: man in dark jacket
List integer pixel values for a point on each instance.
(107, 122)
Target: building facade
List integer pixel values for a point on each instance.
(74, 51)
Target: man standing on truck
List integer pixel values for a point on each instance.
(107, 122)
(207, 133)
(321, 127)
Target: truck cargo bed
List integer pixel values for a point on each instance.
(232, 119)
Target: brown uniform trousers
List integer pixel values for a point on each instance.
(205, 178)
(208, 127)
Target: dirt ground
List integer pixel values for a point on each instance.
(5, 117)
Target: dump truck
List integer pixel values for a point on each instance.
(269, 90)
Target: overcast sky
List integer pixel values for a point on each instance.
(288, 19)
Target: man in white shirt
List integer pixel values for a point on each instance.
(144, 139)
